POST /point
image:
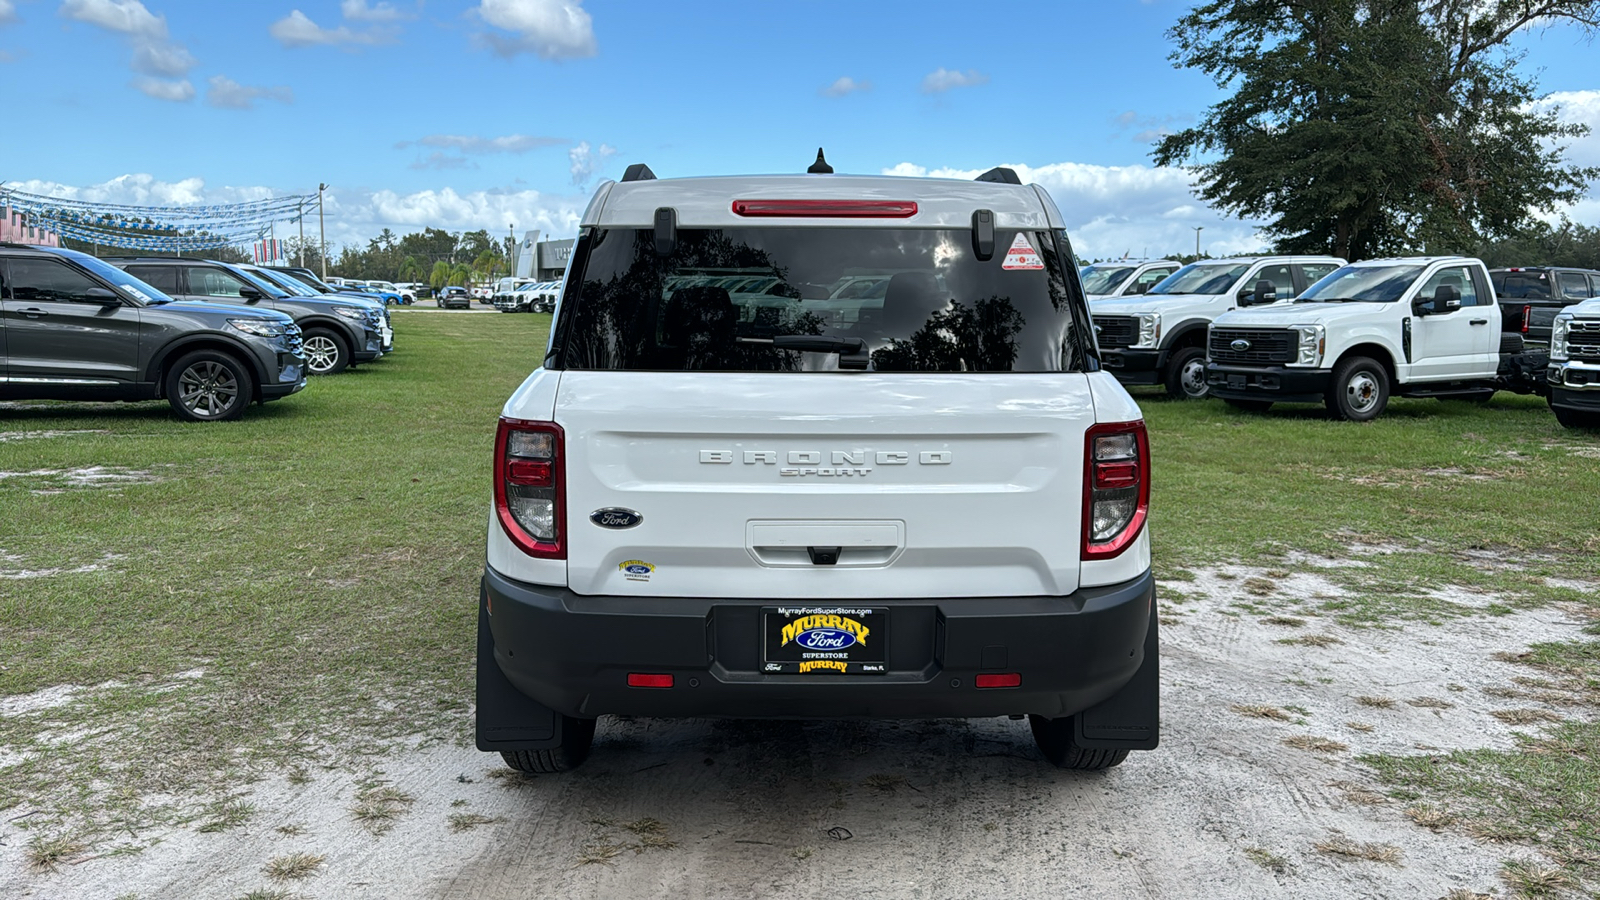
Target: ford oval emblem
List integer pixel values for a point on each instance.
(615, 517)
(1240, 345)
(825, 639)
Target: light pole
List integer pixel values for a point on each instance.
(511, 251)
(302, 220)
(1197, 230)
(322, 228)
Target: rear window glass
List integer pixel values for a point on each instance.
(908, 300)
(1521, 285)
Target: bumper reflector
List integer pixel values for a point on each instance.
(640, 679)
(1010, 679)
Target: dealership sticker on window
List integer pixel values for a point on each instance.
(1022, 255)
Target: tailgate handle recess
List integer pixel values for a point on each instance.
(844, 544)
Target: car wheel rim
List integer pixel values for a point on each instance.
(208, 389)
(1362, 392)
(321, 353)
(1193, 378)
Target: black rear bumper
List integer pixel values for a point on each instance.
(572, 654)
(1275, 384)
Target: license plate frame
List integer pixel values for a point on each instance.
(1236, 382)
(824, 639)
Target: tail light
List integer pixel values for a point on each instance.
(1116, 488)
(1527, 314)
(530, 495)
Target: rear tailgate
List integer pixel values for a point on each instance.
(940, 485)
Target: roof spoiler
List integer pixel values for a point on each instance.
(1000, 175)
(638, 172)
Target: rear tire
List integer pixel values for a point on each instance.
(1251, 406)
(326, 352)
(1186, 374)
(1359, 391)
(209, 386)
(577, 736)
(1054, 737)
(1576, 420)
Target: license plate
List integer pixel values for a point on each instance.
(824, 640)
(1236, 381)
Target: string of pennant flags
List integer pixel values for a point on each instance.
(164, 228)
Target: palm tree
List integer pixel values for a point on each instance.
(410, 269)
(440, 275)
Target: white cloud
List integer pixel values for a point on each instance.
(297, 30)
(444, 161)
(585, 162)
(8, 11)
(511, 143)
(1115, 210)
(165, 59)
(359, 11)
(129, 17)
(550, 29)
(179, 90)
(1577, 108)
(940, 80)
(846, 85)
(353, 216)
(162, 62)
(226, 93)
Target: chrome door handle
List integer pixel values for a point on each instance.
(33, 313)
(1480, 321)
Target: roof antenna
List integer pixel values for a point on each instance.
(820, 167)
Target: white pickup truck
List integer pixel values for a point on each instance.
(1574, 372)
(1125, 277)
(734, 490)
(1414, 327)
(1159, 337)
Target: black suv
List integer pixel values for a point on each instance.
(74, 328)
(337, 334)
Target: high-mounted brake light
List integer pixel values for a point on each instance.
(530, 496)
(1116, 488)
(827, 209)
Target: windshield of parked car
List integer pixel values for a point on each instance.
(140, 289)
(1201, 278)
(1362, 284)
(769, 299)
(1104, 278)
(266, 287)
(285, 282)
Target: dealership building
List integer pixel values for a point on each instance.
(543, 260)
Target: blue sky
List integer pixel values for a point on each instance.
(467, 114)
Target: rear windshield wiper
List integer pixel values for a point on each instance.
(852, 350)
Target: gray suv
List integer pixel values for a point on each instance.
(74, 328)
(338, 334)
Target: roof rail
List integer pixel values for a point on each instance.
(1000, 175)
(638, 172)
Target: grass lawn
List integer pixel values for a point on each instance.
(314, 566)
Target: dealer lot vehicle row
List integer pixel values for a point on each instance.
(1264, 330)
(208, 337)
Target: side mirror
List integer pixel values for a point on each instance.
(1266, 292)
(249, 293)
(1446, 297)
(103, 296)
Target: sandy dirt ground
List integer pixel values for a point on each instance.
(940, 809)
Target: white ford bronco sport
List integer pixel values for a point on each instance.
(732, 490)
(1424, 326)
(1159, 337)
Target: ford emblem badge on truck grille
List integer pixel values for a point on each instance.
(615, 517)
(1240, 345)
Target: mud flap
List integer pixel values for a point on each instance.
(1131, 718)
(507, 718)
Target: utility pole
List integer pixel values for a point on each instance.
(322, 226)
(1197, 230)
(302, 221)
(511, 250)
